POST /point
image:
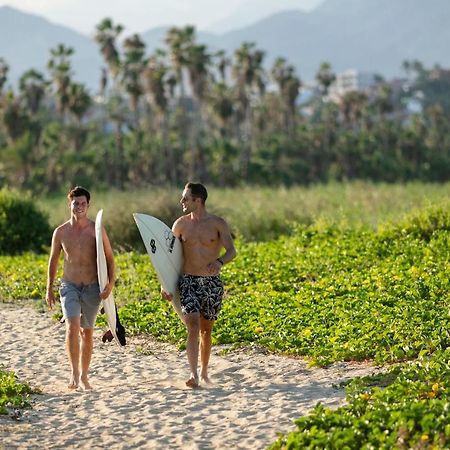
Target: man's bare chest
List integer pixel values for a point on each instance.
(79, 241)
(200, 236)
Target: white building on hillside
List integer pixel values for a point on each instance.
(352, 80)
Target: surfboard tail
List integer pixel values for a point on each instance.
(120, 331)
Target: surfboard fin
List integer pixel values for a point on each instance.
(120, 333)
(107, 336)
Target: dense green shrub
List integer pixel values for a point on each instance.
(12, 393)
(23, 227)
(405, 408)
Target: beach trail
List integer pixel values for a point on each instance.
(139, 400)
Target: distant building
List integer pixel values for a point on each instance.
(353, 80)
(439, 73)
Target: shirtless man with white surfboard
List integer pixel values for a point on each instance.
(79, 291)
(203, 236)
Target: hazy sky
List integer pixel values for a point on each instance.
(141, 15)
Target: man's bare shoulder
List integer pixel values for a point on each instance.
(67, 227)
(179, 225)
(182, 220)
(218, 221)
(62, 228)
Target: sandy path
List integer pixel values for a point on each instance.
(139, 399)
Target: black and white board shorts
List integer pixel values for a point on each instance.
(201, 294)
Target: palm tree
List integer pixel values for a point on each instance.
(79, 103)
(438, 129)
(79, 100)
(419, 68)
(13, 118)
(221, 105)
(353, 106)
(133, 64)
(103, 82)
(32, 86)
(4, 69)
(325, 78)
(15, 123)
(179, 41)
(106, 35)
(154, 77)
(223, 62)
(198, 62)
(197, 66)
(383, 101)
(288, 86)
(220, 102)
(117, 113)
(60, 69)
(249, 77)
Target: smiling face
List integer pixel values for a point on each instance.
(188, 203)
(79, 206)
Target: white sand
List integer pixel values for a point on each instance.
(140, 401)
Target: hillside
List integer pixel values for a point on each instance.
(370, 35)
(26, 40)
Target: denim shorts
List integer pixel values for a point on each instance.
(80, 300)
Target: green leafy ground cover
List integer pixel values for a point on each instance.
(328, 293)
(12, 393)
(411, 412)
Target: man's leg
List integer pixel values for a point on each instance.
(73, 349)
(206, 327)
(90, 303)
(193, 327)
(87, 345)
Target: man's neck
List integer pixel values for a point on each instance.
(198, 215)
(80, 222)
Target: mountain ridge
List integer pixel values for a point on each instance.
(371, 36)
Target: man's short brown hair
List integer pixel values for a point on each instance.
(197, 191)
(79, 191)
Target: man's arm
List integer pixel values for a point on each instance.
(176, 230)
(53, 267)
(227, 243)
(111, 266)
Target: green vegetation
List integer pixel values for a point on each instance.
(261, 214)
(327, 291)
(23, 227)
(338, 285)
(186, 112)
(23, 277)
(12, 393)
(411, 412)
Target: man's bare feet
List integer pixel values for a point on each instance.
(192, 382)
(205, 378)
(85, 384)
(73, 383)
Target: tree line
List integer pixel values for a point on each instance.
(186, 112)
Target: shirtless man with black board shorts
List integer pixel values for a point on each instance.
(203, 236)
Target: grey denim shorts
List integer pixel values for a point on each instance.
(80, 300)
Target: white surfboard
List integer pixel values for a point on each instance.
(109, 305)
(166, 254)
